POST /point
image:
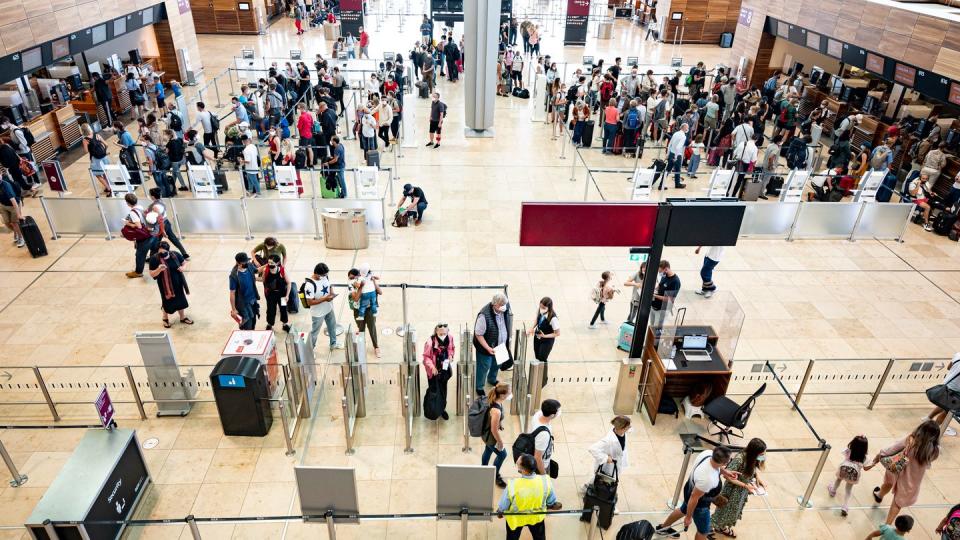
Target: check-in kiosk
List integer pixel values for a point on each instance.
(102, 481)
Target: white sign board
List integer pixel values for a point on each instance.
(118, 178)
(869, 184)
(202, 182)
(367, 182)
(793, 188)
(720, 181)
(642, 180)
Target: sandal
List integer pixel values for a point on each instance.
(186, 320)
(727, 531)
(166, 323)
(876, 495)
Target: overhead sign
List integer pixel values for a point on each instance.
(954, 96)
(295, 54)
(905, 74)
(625, 224)
(874, 63)
(746, 16)
(104, 407)
(54, 175)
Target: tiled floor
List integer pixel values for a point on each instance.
(849, 305)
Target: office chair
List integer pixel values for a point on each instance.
(728, 416)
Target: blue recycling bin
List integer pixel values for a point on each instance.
(242, 394)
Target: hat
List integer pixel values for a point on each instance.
(241, 258)
(407, 188)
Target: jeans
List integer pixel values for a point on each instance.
(144, 247)
(174, 239)
(578, 132)
(252, 181)
(248, 314)
(175, 168)
(486, 370)
(368, 301)
(601, 309)
(490, 451)
(706, 273)
(331, 321)
(421, 208)
(609, 133)
(693, 164)
(537, 532)
(674, 163)
(342, 183)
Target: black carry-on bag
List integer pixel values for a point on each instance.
(602, 493)
(945, 397)
(33, 237)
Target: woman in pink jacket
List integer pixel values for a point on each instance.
(920, 449)
(438, 355)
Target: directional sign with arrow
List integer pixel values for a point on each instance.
(7, 375)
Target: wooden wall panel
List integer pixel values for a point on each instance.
(899, 21)
(703, 20)
(930, 29)
(948, 63)
(869, 37)
(921, 53)
(893, 44)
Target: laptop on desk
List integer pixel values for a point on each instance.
(694, 348)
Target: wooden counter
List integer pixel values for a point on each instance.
(811, 99)
(54, 131)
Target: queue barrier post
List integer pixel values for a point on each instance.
(464, 523)
(286, 429)
(136, 392)
(46, 394)
(18, 479)
(346, 426)
(687, 455)
(194, 529)
(803, 383)
(331, 526)
(883, 380)
(594, 522)
(804, 501)
(52, 531)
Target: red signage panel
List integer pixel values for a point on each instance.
(874, 63)
(905, 75)
(578, 7)
(587, 224)
(954, 96)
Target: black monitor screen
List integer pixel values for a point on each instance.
(705, 224)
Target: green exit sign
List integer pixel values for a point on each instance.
(634, 256)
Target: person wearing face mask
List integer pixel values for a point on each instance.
(492, 426)
(748, 463)
(493, 328)
(527, 498)
(610, 452)
(544, 332)
(167, 267)
(438, 111)
(244, 298)
(358, 282)
(702, 486)
(438, 355)
(542, 432)
(667, 290)
(276, 289)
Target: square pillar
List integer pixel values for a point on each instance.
(481, 20)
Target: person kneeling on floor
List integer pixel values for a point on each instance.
(417, 204)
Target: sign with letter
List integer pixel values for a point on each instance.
(793, 188)
(627, 224)
(642, 180)
(54, 175)
(104, 408)
(575, 31)
(746, 16)
(869, 185)
(720, 182)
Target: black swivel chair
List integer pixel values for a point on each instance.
(729, 416)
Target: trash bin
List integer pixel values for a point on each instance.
(345, 229)
(331, 31)
(243, 396)
(606, 30)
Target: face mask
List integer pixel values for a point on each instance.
(761, 458)
(502, 309)
(557, 415)
(273, 267)
(543, 311)
(164, 254)
(508, 398)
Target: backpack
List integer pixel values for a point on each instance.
(596, 294)
(214, 122)
(796, 156)
(27, 135)
(477, 415)
(668, 405)
(300, 159)
(660, 111)
(572, 93)
(633, 119)
(176, 123)
(848, 472)
(638, 530)
(161, 160)
(96, 147)
(526, 443)
(303, 294)
(879, 159)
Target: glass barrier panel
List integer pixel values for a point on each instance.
(885, 221)
(824, 219)
(765, 218)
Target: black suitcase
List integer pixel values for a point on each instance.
(220, 179)
(943, 223)
(373, 158)
(424, 89)
(33, 237)
(659, 165)
(606, 505)
(587, 138)
(638, 530)
(775, 185)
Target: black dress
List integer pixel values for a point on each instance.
(172, 282)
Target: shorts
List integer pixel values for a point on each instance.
(9, 214)
(918, 202)
(701, 517)
(96, 164)
(434, 127)
(306, 142)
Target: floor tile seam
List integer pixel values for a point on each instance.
(42, 272)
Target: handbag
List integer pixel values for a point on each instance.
(605, 485)
(896, 462)
(945, 397)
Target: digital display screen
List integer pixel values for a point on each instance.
(905, 75)
(874, 63)
(31, 59)
(710, 224)
(99, 34)
(589, 224)
(834, 48)
(119, 26)
(954, 96)
(147, 16)
(61, 47)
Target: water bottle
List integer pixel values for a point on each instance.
(673, 352)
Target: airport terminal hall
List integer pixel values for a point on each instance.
(479, 269)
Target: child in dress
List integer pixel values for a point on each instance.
(854, 456)
(696, 152)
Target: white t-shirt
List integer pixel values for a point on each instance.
(705, 477)
(135, 215)
(368, 284)
(542, 442)
(715, 253)
(320, 287)
(251, 158)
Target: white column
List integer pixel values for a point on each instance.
(481, 20)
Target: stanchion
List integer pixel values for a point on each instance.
(346, 426)
(573, 163)
(46, 394)
(805, 499)
(136, 392)
(883, 380)
(52, 532)
(286, 429)
(464, 523)
(331, 526)
(687, 455)
(594, 523)
(18, 479)
(194, 530)
(803, 384)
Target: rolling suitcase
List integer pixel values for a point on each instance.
(626, 337)
(373, 158)
(33, 237)
(587, 138)
(751, 190)
(602, 493)
(220, 179)
(638, 530)
(774, 186)
(424, 90)
(617, 143)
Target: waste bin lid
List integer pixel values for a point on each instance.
(243, 366)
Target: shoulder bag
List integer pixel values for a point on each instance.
(945, 397)
(896, 462)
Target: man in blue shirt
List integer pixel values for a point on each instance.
(161, 96)
(240, 112)
(244, 298)
(337, 163)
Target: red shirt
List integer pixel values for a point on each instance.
(390, 87)
(305, 125)
(611, 115)
(364, 39)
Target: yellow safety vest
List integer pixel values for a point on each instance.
(527, 495)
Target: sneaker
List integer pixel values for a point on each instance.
(708, 294)
(832, 491)
(21, 243)
(183, 188)
(435, 146)
(764, 197)
(592, 326)
(950, 432)
(500, 483)
(429, 144)
(132, 275)
(444, 415)
(269, 327)
(680, 186)
(336, 346)
(667, 531)
(843, 511)
(927, 227)
(701, 293)
(604, 322)
(286, 328)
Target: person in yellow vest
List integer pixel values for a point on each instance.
(530, 494)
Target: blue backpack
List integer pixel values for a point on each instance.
(633, 119)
